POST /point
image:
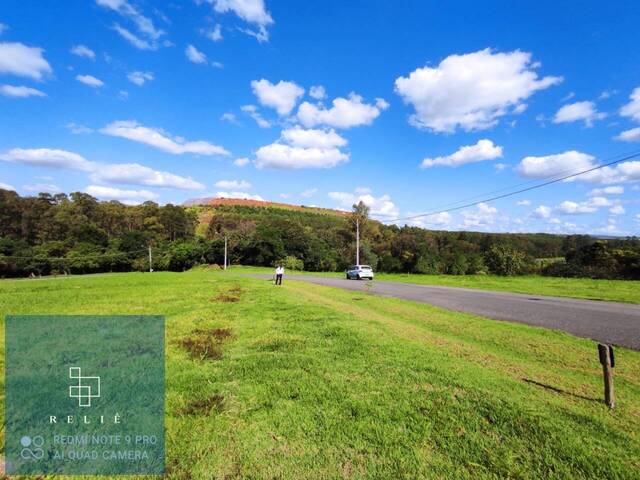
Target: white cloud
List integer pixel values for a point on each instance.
(47, 157)
(542, 212)
(144, 24)
(483, 150)
(43, 188)
(612, 190)
(15, 91)
(251, 11)
(632, 135)
(252, 111)
(217, 64)
(127, 173)
(317, 92)
(77, 129)
(241, 162)
(139, 78)
(313, 138)
(83, 51)
(229, 117)
(500, 166)
(136, 174)
(442, 219)
(470, 91)
(90, 80)
(134, 40)
(20, 60)
(281, 96)
(483, 216)
(6, 186)
(194, 55)
(345, 112)
(523, 202)
(278, 155)
(637, 217)
(310, 192)
(110, 193)
(240, 195)
(573, 112)
(592, 205)
(554, 165)
(632, 109)
(233, 184)
(215, 34)
(381, 206)
(617, 210)
(159, 139)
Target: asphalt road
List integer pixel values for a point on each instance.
(608, 322)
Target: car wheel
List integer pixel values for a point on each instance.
(348, 278)
(359, 277)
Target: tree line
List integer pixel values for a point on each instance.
(75, 233)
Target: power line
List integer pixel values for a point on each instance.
(517, 192)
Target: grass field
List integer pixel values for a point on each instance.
(627, 291)
(314, 382)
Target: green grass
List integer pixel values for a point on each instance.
(627, 291)
(325, 383)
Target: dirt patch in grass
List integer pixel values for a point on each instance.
(204, 406)
(230, 296)
(206, 344)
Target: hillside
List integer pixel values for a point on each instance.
(219, 201)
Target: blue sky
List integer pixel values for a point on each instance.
(407, 105)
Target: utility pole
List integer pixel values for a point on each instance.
(225, 253)
(150, 260)
(357, 241)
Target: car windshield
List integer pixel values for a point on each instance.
(365, 267)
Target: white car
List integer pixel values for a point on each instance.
(359, 272)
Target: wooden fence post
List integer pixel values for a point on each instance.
(608, 362)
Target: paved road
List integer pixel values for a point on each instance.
(609, 322)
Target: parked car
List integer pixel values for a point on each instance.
(359, 272)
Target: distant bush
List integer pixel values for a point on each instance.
(292, 263)
(502, 260)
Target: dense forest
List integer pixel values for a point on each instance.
(75, 233)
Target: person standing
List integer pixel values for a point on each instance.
(279, 274)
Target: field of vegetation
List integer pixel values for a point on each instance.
(295, 382)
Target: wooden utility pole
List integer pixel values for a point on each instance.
(225, 253)
(608, 362)
(357, 241)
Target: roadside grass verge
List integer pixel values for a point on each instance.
(627, 291)
(314, 382)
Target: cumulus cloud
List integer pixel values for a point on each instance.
(381, 206)
(542, 212)
(632, 109)
(140, 78)
(317, 92)
(194, 55)
(241, 162)
(313, 138)
(569, 207)
(442, 219)
(281, 96)
(617, 210)
(83, 51)
(632, 135)
(483, 150)
(240, 195)
(344, 113)
(252, 111)
(125, 173)
(6, 186)
(612, 190)
(215, 34)
(554, 165)
(159, 139)
(233, 184)
(90, 81)
(281, 156)
(20, 60)
(251, 11)
(578, 111)
(484, 215)
(111, 193)
(21, 91)
(470, 91)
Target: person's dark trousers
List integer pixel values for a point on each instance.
(279, 279)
